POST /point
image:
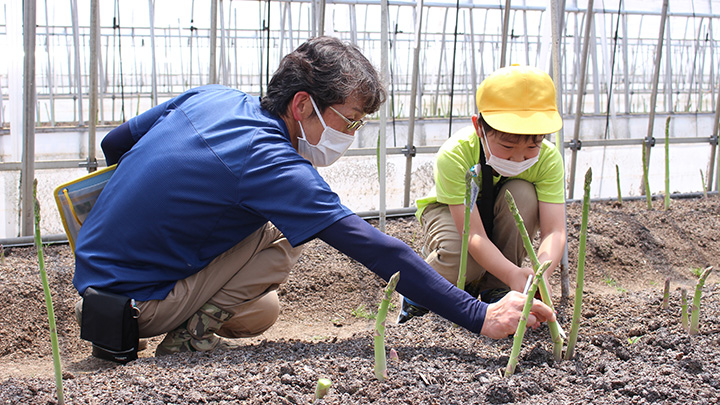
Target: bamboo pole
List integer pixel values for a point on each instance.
(580, 97)
(410, 153)
(647, 144)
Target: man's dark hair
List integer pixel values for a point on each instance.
(331, 71)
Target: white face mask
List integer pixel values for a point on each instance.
(330, 147)
(504, 167)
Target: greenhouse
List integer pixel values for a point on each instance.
(637, 90)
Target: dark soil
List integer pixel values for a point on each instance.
(629, 350)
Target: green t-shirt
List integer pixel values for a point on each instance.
(462, 151)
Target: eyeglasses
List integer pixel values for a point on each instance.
(352, 125)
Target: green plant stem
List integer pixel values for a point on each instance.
(577, 309)
(466, 232)
(646, 180)
(322, 388)
(666, 294)
(695, 315)
(520, 332)
(667, 163)
(544, 292)
(380, 356)
(704, 186)
(617, 176)
(48, 299)
(684, 308)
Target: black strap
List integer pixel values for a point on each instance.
(486, 202)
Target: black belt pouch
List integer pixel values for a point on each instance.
(110, 322)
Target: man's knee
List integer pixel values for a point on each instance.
(253, 318)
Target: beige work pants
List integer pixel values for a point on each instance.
(242, 281)
(443, 242)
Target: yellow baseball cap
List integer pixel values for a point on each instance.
(519, 100)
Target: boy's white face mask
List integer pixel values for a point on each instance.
(505, 167)
(330, 147)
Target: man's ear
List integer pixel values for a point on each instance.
(300, 106)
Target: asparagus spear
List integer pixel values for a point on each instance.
(471, 193)
(695, 315)
(322, 388)
(48, 299)
(544, 293)
(520, 333)
(577, 310)
(380, 356)
(684, 309)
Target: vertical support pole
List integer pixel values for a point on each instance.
(557, 10)
(382, 152)
(51, 87)
(410, 147)
(153, 80)
(78, 77)
(715, 147)
(647, 144)
(626, 61)
(212, 74)
(91, 162)
(28, 155)
(580, 96)
(505, 27)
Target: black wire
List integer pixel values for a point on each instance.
(452, 76)
(392, 89)
(612, 71)
(267, 64)
(116, 29)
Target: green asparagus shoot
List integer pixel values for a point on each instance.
(470, 180)
(646, 180)
(48, 299)
(322, 388)
(577, 310)
(544, 292)
(466, 233)
(520, 332)
(667, 163)
(695, 315)
(666, 294)
(684, 310)
(617, 176)
(380, 355)
(2, 254)
(702, 181)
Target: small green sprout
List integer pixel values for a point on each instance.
(617, 174)
(697, 271)
(684, 311)
(632, 340)
(322, 388)
(362, 312)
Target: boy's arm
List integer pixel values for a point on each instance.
(486, 254)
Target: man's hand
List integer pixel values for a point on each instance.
(502, 317)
